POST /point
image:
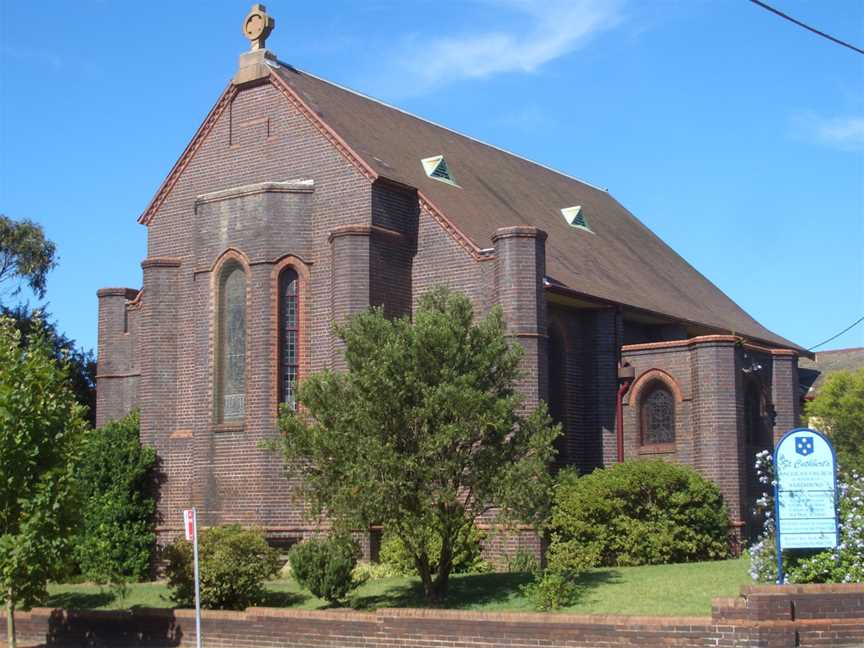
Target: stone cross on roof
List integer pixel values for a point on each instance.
(257, 26)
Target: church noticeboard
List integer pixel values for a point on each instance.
(805, 494)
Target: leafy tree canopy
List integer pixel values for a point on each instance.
(25, 255)
(41, 428)
(81, 363)
(423, 431)
(840, 407)
(117, 475)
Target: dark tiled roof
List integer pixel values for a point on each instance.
(623, 261)
(812, 373)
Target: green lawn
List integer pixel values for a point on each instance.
(666, 590)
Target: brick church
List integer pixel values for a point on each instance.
(299, 203)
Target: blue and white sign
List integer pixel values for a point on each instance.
(805, 494)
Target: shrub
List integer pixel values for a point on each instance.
(466, 552)
(641, 512)
(522, 561)
(116, 539)
(234, 564)
(553, 589)
(326, 566)
(366, 571)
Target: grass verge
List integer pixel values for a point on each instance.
(660, 590)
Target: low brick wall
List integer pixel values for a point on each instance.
(773, 617)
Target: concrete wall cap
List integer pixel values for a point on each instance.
(161, 262)
(519, 231)
(725, 340)
(128, 293)
(362, 230)
(289, 186)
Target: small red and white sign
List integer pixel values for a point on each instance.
(189, 525)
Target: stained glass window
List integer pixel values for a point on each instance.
(231, 399)
(658, 416)
(289, 336)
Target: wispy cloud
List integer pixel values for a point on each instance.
(843, 133)
(547, 30)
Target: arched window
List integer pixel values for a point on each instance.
(231, 344)
(658, 415)
(289, 335)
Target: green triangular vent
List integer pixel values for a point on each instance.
(576, 218)
(437, 169)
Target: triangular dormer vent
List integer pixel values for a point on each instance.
(575, 217)
(437, 169)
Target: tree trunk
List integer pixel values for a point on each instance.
(439, 587)
(445, 566)
(422, 565)
(10, 622)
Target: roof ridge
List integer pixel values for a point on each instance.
(442, 127)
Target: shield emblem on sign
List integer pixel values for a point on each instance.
(804, 445)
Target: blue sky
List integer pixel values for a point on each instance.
(736, 136)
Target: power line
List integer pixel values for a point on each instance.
(807, 27)
(834, 337)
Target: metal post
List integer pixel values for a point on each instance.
(777, 527)
(197, 580)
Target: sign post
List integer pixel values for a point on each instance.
(190, 526)
(805, 493)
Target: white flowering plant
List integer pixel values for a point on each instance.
(843, 564)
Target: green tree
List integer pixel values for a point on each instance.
(25, 255)
(423, 431)
(41, 426)
(839, 405)
(82, 364)
(117, 538)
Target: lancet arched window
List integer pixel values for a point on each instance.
(231, 344)
(289, 335)
(657, 413)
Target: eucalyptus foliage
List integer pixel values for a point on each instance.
(26, 256)
(41, 428)
(423, 431)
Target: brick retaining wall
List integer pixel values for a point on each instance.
(764, 616)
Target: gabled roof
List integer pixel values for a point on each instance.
(812, 373)
(622, 262)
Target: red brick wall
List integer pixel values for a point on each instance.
(358, 243)
(520, 267)
(702, 379)
(707, 376)
(785, 393)
(773, 617)
(118, 371)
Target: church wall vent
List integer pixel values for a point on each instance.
(575, 217)
(437, 169)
